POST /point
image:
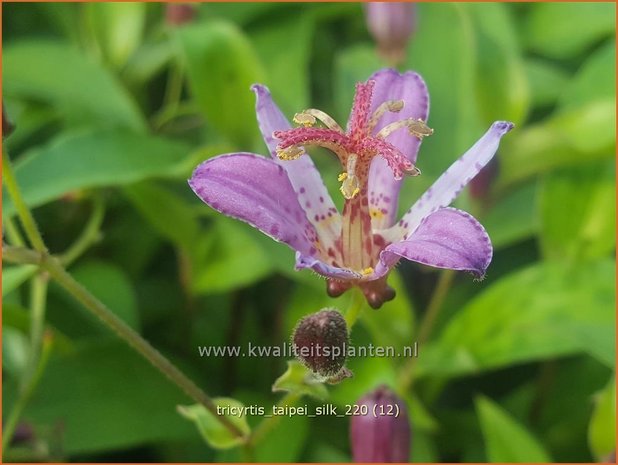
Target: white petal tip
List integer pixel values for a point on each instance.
(503, 126)
(259, 89)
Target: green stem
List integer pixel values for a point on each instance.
(270, 422)
(424, 331)
(89, 235)
(25, 216)
(12, 233)
(37, 318)
(357, 303)
(25, 393)
(56, 271)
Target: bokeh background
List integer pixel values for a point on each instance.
(115, 104)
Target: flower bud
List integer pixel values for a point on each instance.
(391, 24)
(178, 14)
(320, 342)
(381, 430)
(7, 126)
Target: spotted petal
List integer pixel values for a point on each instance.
(383, 188)
(324, 269)
(305, 179)
(257, 191)
(447, 238)
(450, 183)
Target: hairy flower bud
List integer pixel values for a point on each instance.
(380, 431)
(391, 24)
(178, 14)
(320, 342)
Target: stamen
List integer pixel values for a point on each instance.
(416, 127)
(350, 186)
(308, 118)
(394, 106)
(304, 119)
(419, 129)
(290, 153)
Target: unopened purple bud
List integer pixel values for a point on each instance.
(320, 342)
(391, 24)
(7, 126)
(178, 14)
(381, 430)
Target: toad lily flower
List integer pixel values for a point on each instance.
(286, 199)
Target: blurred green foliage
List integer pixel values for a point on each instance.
(113, 103)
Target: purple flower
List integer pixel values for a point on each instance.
(381, 430)
(391, 24)
(285, 197)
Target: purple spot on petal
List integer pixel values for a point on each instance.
(302, 190)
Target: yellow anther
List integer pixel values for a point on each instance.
(367, 271)
(291, 153)
(304, 119)
(413, 171)
(419, 129)
(310, 116)
(350, 186)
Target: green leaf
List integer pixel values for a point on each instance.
(505, 439)
(172, 217)
(586, 229)
(287, 66)
(227, 258)
(117, 29)
(595, 80)
(298, 380)
(513, 218)
(602, 429)
(93, 159)
(547, 81)
(502, 85)
(570, 138)
(59, 75)
(15, 351)
(222, 66)
(110, 284)
(107, 398)
(581, 130)
(15, 276)
(561, 30)
(527, 315)
(211, 429)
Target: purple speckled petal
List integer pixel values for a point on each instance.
(257, 191)
(305, 179)
(450, 183)
(448, 238)
(324, 269)
(409, 87)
